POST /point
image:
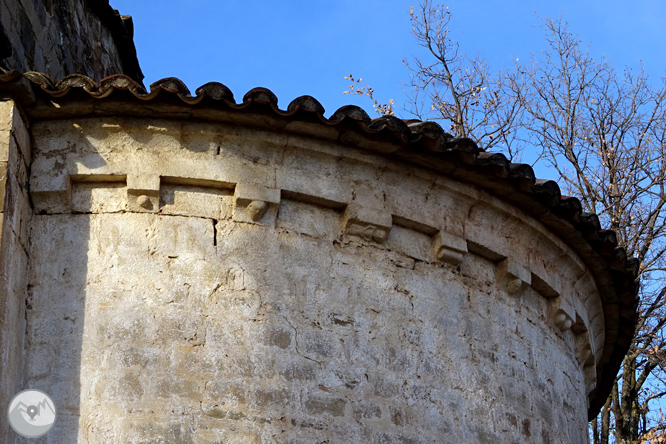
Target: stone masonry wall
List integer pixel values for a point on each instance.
(57, 38)
(15, 212)
(208, 283)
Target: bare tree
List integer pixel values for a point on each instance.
(449, 86)
(357, 88)
(459, 91)
(604, 134)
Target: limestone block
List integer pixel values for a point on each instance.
(5, 140)
(317, 175)
(99, 197)
(15, 214)
(448, 248)
(497, 235)
(245, 194)
(589, 309)
(370, 224)
(50, 192)
(13, 273)
(426, 205)
(21, 135)
(307, 218)
(14, 135)
(597, 340)
(311, 129)
(3, 186)
(18, 211)
(6, 107)
(190, 200)
(6, 117)
(204, 166)
(410, 242)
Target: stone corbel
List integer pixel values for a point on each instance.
(561, 310)
(562, 320)
(143, 192)
(255, 204)
(512, 277)
(563, 313)
(370, 224)
(590, 375)
(585, 354)
(448, 248)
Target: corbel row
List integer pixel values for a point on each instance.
(373, 224)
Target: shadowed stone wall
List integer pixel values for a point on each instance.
(15, 213)
(62, 37)
(206, 283)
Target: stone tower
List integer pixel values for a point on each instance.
(182, 268)
(62, 37)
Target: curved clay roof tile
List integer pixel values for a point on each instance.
(121, 82)
(216, 91)
(306, 103)
(350, 112)
(392, 124)
(171, 85)
(261, 95)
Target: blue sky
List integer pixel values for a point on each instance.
(297, 47)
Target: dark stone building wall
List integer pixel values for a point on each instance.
(61, 37)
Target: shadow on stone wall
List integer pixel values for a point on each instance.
(56, 305)
(56, 317)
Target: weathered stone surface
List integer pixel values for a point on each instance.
(192, 321)
(66, 36)
(3, 184)
(15, 214)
